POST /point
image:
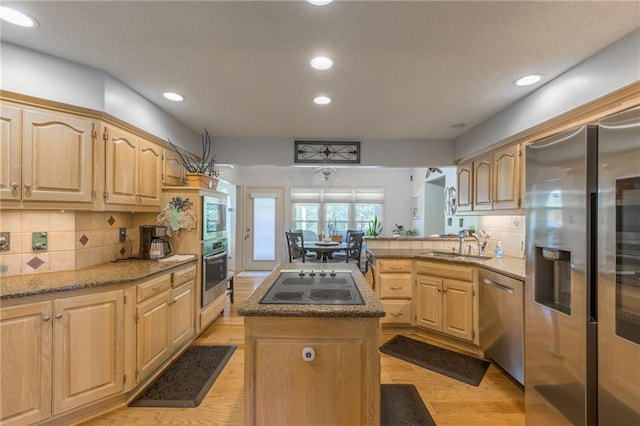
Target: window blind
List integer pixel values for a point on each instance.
(363, 195)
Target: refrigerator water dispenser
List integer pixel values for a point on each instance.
(553, 279)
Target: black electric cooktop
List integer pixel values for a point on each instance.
(307, 287)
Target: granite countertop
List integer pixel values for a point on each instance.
(372, 306)
(509, 266)
(92, 276)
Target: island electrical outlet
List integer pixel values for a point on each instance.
(123, 235)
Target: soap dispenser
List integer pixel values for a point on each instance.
(498, 251)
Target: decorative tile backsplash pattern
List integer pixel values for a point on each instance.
(74, 239)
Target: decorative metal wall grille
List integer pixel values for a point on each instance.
(318, 152)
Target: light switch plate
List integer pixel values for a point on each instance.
(39, 241)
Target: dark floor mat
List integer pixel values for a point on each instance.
(188, 379)
(458, 366)
(402, 405)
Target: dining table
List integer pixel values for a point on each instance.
(325, 250)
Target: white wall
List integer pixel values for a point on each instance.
(396, 184)
(43, 76)
(614, 67)
(280, 152)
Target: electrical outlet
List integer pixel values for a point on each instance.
(123, 235)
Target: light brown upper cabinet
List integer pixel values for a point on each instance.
(490, 182)
(133, 169)
(48, 157)
(173, 172)
(465, 187)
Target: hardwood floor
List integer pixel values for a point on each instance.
(496, 401)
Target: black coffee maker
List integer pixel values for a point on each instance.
(154, 242)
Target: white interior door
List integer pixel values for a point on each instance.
(263, 228)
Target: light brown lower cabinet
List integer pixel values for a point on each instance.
(164, 322)
(446, 299)
(340, 386)
(61, 354)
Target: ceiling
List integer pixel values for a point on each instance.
(402, 69)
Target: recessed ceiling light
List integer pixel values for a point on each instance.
(321, 63)
(173, 96)
(319, 2)
(528, 80)
(16, 17)
(322, 100)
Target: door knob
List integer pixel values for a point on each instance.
(27, 186)
(14, 185)
(58, 316)
(46, 317)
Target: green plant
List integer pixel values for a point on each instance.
(374, 228)
(411, 232)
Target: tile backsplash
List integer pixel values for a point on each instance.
(509, 230)
(74, 239)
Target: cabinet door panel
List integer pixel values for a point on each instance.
(88, 354)
(507, 182)
(457, 309)
(25, 336)
(429, 303)
(121, 166)
(57, 157)
(149, 174)
(173, 171)
(331, 387)
(182, 314)
(10, 179)
(465, 180)
(482, 175)
(154, 341)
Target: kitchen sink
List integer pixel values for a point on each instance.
(459, 256)
(306, 287)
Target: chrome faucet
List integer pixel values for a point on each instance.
(481, 245)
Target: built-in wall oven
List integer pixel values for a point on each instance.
(214, 269)
(215, 248)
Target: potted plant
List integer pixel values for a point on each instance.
(374, 228)
(199, 171)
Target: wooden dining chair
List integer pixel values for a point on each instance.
(354, 247)
(295, 245)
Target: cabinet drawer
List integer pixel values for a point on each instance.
(182, 276)
(395, 285)
(394, 265)
(446, 270)
(398, 312)
(154, 286)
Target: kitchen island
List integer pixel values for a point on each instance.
(312, 363)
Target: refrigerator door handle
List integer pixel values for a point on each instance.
(499, 286)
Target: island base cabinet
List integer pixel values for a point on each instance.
(338, 385)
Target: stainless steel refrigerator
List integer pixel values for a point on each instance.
(582, 289)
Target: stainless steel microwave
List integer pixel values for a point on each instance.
(214, 217)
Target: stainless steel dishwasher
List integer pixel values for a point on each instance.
(502, 322)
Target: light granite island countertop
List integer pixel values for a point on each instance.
(372, 306)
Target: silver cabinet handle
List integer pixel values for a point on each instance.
(58, 315)
(395, 267)
(14, 185)
(396, 288)
(46, 318)
(395, 314)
